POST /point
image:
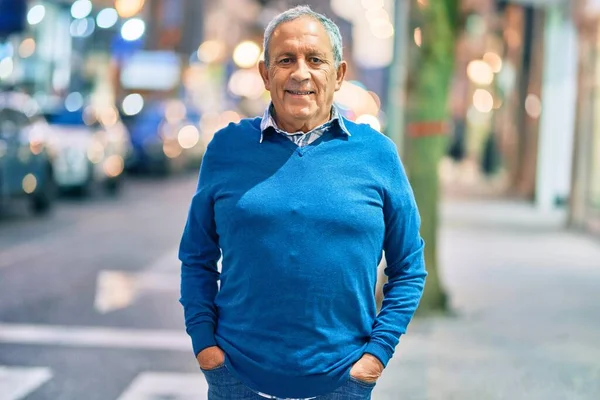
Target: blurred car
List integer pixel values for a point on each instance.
(91, 147)
(25, 161)
(164, 137)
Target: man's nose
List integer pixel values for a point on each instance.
(301, 72)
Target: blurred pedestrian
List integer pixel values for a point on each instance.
(300, 204)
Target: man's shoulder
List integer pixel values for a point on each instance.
(364, 132)
(246, 127)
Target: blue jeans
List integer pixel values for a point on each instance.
(224, 386)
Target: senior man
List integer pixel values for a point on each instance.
(300, 204)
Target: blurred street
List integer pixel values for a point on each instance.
(101, 320)
(107, 108)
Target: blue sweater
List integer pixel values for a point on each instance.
(301, 232)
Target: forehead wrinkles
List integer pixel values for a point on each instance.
(303, 35)
(295, 47)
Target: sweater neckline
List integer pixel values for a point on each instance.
(301, 151)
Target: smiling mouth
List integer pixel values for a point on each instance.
(299, 93)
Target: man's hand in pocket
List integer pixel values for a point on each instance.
(211, 357)
(367, 369)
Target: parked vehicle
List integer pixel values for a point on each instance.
(91, 146)
(26, 169)
(164, 138)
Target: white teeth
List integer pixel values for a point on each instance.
(299, 93)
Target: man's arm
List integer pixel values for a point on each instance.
(405, 269)
(199, 253)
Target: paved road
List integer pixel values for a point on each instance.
(88, 305)
(88, 298)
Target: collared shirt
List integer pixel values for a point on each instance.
(300, 138)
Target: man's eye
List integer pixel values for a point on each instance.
(285, 61)
(316, 60)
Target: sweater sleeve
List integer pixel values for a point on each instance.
(199, 253)
(405, 269)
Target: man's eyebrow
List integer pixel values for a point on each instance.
(317, 53)
(310, 53)
(286, 54)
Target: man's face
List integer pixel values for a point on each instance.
(301, 77)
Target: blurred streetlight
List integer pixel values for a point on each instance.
(6, 67)
(211, 51)
(107, 18)
(533, 106)
(74, 101)
(82, 27)
(133, 104)
(480, 72)
(128, 8)
(27, 48)
(246, 83)
(494, 61)
(246, 54)
(483, 101)
(36, 14)
(133, 29)
(188, 136)
(81, 9)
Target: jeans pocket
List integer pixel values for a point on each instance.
(218, 376)
(366, 385)
(218, 367)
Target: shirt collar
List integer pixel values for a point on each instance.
(269, 122)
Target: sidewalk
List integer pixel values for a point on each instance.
(527, 297)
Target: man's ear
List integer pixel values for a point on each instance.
(264, 73)
(341, 74)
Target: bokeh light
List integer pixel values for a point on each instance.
(128, 8)
(36, 14)
(107, 18)
(188, 136)
(133, 29)
(483, 101)
(533, 106)
(246, 54)
(211, 51)
(480, 72)
(81, 9)
(494, 61)
(74, 101)
(133, 104)
(27, 48)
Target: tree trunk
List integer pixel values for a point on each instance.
(428, 115)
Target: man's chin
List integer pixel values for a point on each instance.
(301, 111)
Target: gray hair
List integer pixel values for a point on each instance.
(333, 31)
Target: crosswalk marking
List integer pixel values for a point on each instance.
(18, 382)
(95, 337)
(116, 290)
(172, 386)
(168, 262)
